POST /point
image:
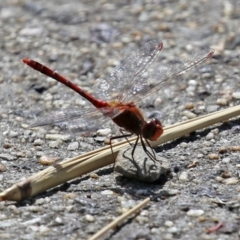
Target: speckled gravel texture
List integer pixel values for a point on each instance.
(83, 40)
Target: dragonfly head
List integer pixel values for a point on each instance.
(152, 129)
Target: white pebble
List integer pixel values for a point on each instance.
(12, 134)
(142, 220)
(236, 95)
(173, 230)
(183, 177)
(57, 137)
(107, 192)
(212, 108)
(195, 212)
(55, 144)
(58, 220)
(89, 218)
(222, 101)
(73, 146)
(209, 136)
(31, 31)
(189, 114)
(183, 144)
(32, 221)
(231, 181)
(226, 160)
(43, 229)
(104, 132)
(192, 82)
(38, 142)
(168, 223)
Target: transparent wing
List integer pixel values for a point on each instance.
(115, 84)
(153, 79)
(78, 120)
(60, 116)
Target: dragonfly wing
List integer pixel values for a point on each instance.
(59, 116)
(78, 120)
(153, 79)
(116, 83)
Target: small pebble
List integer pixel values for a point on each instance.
(55, 144)
(195, 212)
(222, 150)
(35, 209)
(209, 136)
(219, 179)
(104, 132)
(59, 220)
(212, 108)
(215, 131)
(234, 148)
(189, 106)
(222, 101)
(231, 181)
(38, 142)
(183, 177)
(226, 160)
(213, 156)
(31, 31)
(2, 168)
(32, 221)
(127, 203)
(43, 229)
(107, 192)
(183, 144)
(73, 146)
(192, 82)
(206, 75)
(173, 192)
(58, 208)
(236, 95)
(173, 230)
(64, 138)
(168, 223)
(47, 160)
(39, 201)
(189, 114)
(226, 174)
(94, 175)
(89, 218)
(193, 164)
(13, 134)
(142, 219)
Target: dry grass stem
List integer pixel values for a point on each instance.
(77, 166)
(120, 219)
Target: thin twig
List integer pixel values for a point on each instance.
(77, 166)
(120, 219)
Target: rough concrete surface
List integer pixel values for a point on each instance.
(83, 40)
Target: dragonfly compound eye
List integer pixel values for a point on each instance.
(152, 130)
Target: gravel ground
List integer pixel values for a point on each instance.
(84, 40)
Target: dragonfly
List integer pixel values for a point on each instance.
(116, 96)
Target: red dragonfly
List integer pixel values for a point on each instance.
(116, 96)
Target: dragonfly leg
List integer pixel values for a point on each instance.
(152, 154)
(125, 135)
(133, 160)
(116, 137)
